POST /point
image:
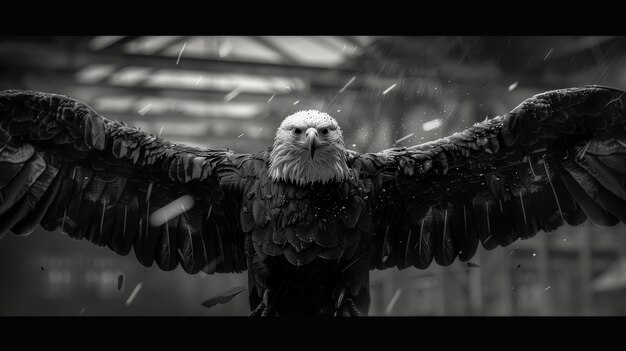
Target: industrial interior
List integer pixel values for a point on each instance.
(385, 91)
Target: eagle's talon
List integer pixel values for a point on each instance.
(348, 309)
(354, 312)
(264, 309)
(259, 310)
(268, 312)
(340, 299)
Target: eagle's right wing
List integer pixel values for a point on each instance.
(558, 158)
(62, 165)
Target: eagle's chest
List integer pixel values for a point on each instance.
(304, 222)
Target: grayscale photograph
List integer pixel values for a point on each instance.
(328, 175)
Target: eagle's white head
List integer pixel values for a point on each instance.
(308, 148)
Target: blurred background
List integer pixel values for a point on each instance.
(219, 92)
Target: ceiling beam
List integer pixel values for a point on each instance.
(583, 44)
(285, 55)
(331, 46)
(30, 55)
(65, 83)
(173, 42)
(117, 46)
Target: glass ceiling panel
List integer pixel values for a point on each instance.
(150, 45)
(226, 47)
(309, 51)
(104, 41)
(146, 106)
(222, 81)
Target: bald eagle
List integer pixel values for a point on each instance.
(307, 218)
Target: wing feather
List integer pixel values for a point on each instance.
(556, 158)
(64, 166)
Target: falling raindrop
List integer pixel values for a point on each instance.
(134, 294)
(404, 137)
(145, 109)
(198, 81)
(345, 86)
(389, 89)
(548, 54)
(234, 93)
(181, 53)
(171, 210)
(393, 301)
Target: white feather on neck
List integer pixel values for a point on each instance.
(289, 163)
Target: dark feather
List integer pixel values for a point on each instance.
(190, 248)
(53, 217)
(126, 224)
(595, 213)
(167, 254)
(39, 198)
(259, 212)
(609, 178)
(424, 248)
(224, 297)
(303, 257)
(20, 184)
(353, 211)
(212, 254)
(246, 217)
(8, 171)
(19, 153)
(445, 251)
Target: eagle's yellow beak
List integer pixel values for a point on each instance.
(311, 140)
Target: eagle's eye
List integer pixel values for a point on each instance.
(297, 131)
(325, 131)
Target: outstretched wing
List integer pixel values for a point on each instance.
(559, 157)
(64, 166)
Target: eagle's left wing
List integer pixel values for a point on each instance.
(62, 165)
(559, 157)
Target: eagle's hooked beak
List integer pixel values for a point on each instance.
(311, 140)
